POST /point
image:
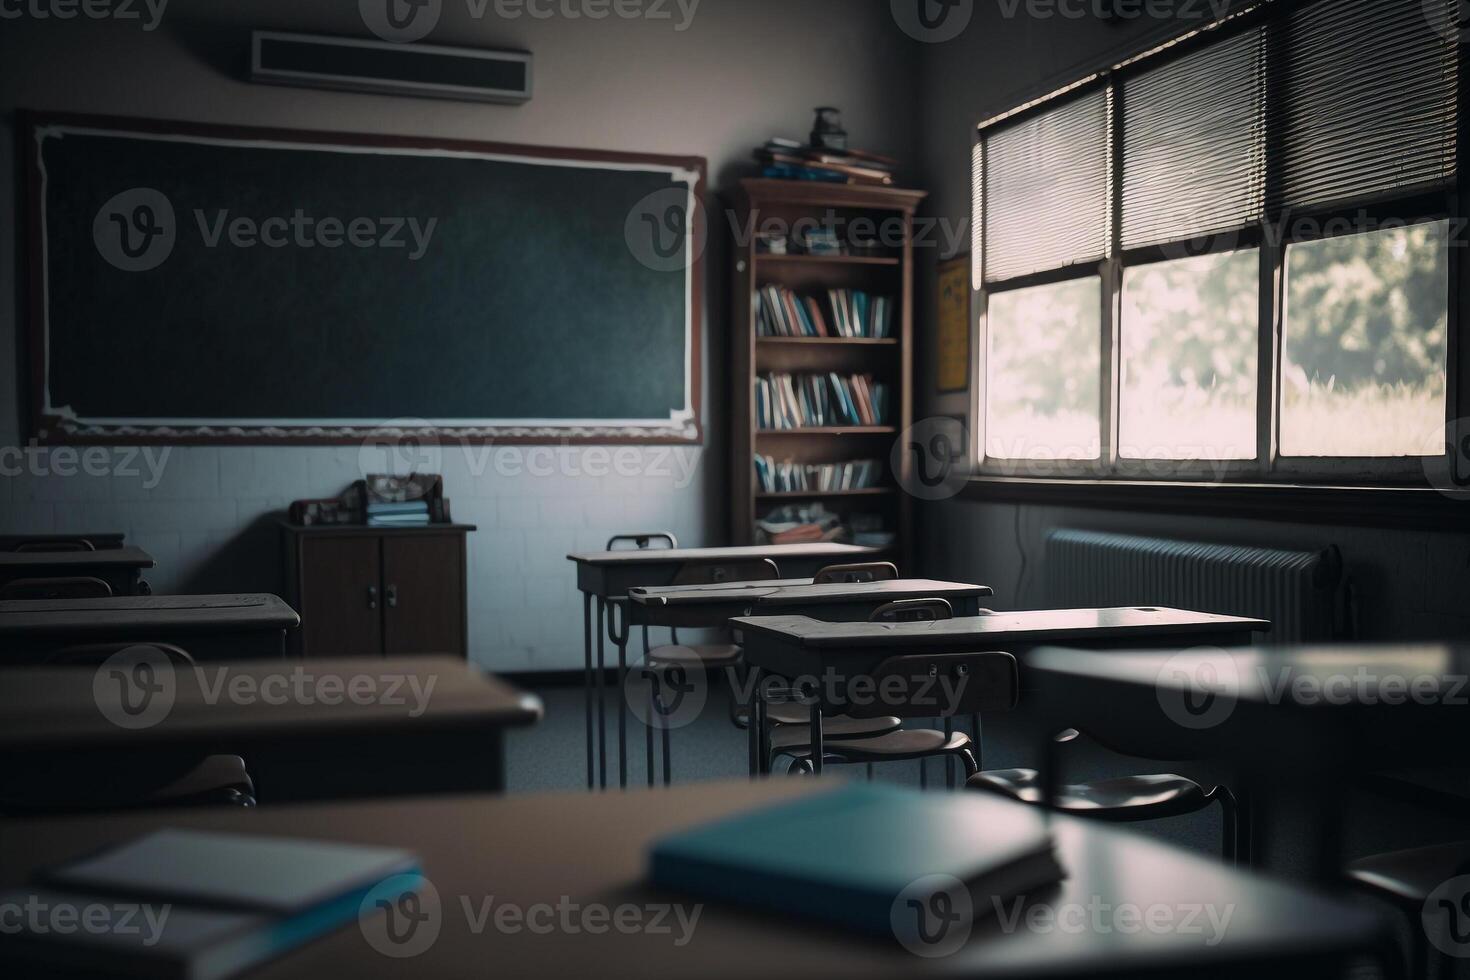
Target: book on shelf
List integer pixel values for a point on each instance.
(798, 401)
(847, 313)
(788, 476)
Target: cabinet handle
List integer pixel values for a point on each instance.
(392, 596)
(372, 597)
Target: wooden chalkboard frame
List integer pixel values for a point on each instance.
(50, 428)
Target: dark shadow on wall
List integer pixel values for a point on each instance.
(249, 562)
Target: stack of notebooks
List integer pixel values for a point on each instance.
(788, 159)
(407, 513)
(786, 401)
(793, 477)
(844, 313)
(865, 857)
(192, 905)
(804, 524)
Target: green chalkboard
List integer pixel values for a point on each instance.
(198, 282)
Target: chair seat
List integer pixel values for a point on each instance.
(1124, 799)
(1411, 875)
(717, 655)
(833, 729)
(897, 746)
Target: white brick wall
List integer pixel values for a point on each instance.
(209, 522)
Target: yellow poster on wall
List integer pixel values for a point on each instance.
(954, 324)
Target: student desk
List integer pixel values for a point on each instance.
(797, 647)
(535, 850)
(1297, 725)
(209, 627)
(606, 575)
(712, 606)
(121, 568)
(326, 729)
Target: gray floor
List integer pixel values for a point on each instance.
(552, 756)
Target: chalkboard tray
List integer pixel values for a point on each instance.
(201, 283)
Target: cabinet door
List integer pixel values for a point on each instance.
(341, 597)
(424, 588)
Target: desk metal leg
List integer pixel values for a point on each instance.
(949, 761)
(652, 712)
(587, 682)
(754, 721)
(818, 748)
(619, 637)
(601, 699)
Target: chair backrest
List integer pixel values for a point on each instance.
(95, 654)
(81, 587)
(718, 572)
(913, 611)
(55, 544)
(873, 571)
(939, 686)
(641, 542)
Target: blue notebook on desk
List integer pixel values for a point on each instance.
(852, 855)
(192, 905)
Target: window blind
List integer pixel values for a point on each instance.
(1046, 189)
(1367, 104)
(1194, 144)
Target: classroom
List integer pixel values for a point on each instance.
(712, 488)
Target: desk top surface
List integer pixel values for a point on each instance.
(1302, 676)
(49, 707)
(128, 556)
(803, 592)
(533, 850)
(636, 556)
(173, 612)
(1038, 625)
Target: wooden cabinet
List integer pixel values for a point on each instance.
(386, 591)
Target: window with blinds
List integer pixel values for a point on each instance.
(1046, 189)
(1126, 227)
(1194, 144)
(1367, 103)
(1319, 104)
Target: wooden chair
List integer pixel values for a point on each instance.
(78, 587)
(641, 542)
(873, 571)
(54, 545)
(977, 681)
(139, 780)
(1406, 880)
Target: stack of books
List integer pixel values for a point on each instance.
(807, 524)
(793, 477)
(407, 513)
(850, 313)
(786, 401)
(787, 159)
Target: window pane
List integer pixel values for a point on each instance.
(1044, 372)
(1363, 364)
(1189, 333)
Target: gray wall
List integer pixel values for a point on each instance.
(740, 71)
(1409, 584)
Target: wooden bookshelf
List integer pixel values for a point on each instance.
(888, 359)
